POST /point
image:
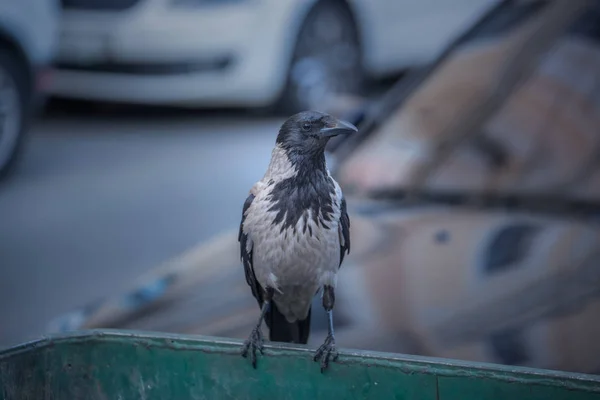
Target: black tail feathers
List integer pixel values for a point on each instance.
(280, 330)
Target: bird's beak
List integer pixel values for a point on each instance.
(339, 128)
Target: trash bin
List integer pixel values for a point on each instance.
(124, 365)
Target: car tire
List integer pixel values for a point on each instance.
(326, 61)
(14, 110)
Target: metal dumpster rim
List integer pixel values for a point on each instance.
(408, 364)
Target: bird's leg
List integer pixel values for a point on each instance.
(327, 352)
(255, 340)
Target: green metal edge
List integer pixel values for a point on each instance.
(404, 363)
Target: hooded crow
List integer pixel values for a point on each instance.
(294, 234)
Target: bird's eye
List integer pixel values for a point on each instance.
(306, 127)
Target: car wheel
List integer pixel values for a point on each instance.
(13, 110)
(326, 61)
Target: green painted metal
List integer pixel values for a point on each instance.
(135, 365)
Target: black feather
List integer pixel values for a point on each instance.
(310, 189)
(280, 330)
(246, 256)
(345, 229)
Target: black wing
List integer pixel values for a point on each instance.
(246, 255)
(344, 231)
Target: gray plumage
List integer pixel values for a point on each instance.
(294, 259)
(295, 229)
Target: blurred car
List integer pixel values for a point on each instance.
(297, 54)
(28, 33)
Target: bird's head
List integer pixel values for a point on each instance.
(308, 132)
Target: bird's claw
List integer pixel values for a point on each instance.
(253, 343)
(327, 352)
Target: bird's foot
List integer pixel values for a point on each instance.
(254, 342)
(327, 352)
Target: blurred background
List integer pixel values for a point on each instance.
(132, 130)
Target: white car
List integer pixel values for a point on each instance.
(293, 53)
(28, 36)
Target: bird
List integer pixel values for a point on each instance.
(294, 234)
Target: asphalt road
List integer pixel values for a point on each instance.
(102, 198)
